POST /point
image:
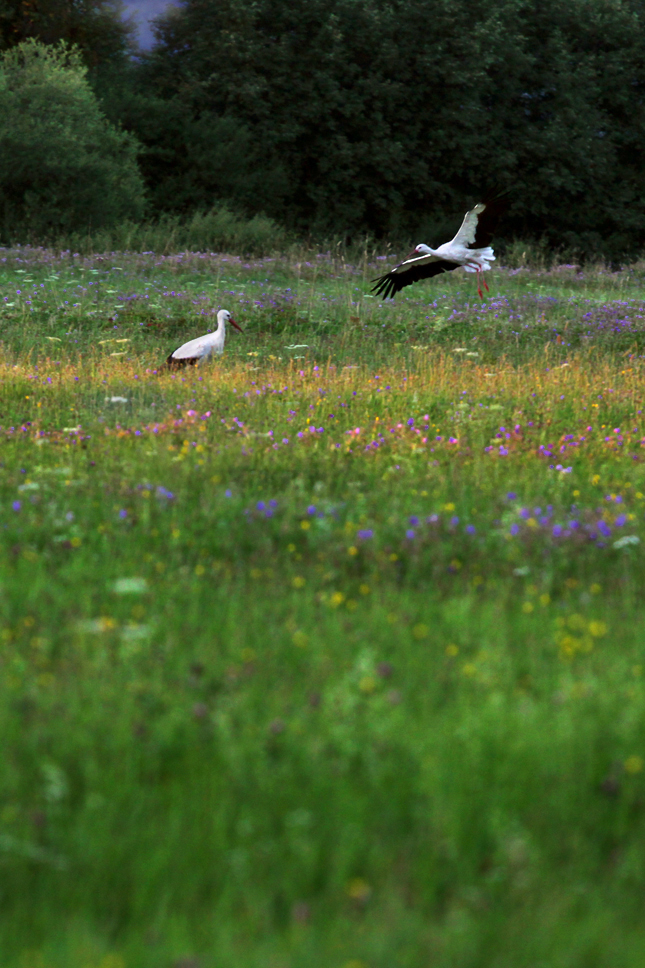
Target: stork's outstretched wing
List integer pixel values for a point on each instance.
(423, 267)
(479, 224)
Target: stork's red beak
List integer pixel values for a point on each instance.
(233, 323)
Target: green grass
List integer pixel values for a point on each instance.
(274, 697)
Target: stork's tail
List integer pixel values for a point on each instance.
(485, 255)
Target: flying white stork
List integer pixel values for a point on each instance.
(197, 351)
(470, 248)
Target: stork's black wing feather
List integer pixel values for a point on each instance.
(495, 207)
(393, 281)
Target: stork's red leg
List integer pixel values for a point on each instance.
(479, 285)
(485, 284)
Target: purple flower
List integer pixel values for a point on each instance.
(273, 503)
(123, 513)
(16, 505)
(411, 422)
(557, 530)
(511, 496)
(227, 493)
(454, 521)
(260, 505)
(470, 529)
(365, 535)
(620, 520)
(604, 528)
(311, 509)
(514, 529)
(410, 534)
(414, 520)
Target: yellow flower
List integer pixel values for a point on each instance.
(449, 507)
(298, 581)
(469, 669)
(75, 542)
(300, 639)
(597, 629)
(528, 607)
(595, 589)
(367, 684)
(634, 764)
(336, 599)
(305, 525)
(452, 650)
(364, 589)
(199, 570)
(545, 599)
(353, 550)
(359, 890)
(420, 631)
(394, 557)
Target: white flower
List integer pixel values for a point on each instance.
(130, 586)
(626, 540)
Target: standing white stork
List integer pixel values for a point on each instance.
(470, 248)
(199, 350)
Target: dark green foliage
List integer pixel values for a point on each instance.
(95, 26)
(351, 116)
(63, 166)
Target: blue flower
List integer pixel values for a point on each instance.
(410, 534)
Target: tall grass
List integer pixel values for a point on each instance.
(329, 653)
(218, 230)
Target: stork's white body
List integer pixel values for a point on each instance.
(458, 251)
(199, 350)
(470, 248)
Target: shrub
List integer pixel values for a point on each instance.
(63, 166)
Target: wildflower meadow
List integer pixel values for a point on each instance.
(330, 653)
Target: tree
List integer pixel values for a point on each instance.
(63, 166)
(96, 27)
(388, 116)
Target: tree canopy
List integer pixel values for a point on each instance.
(386, 116)
(63, 166)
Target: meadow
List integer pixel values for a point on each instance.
(330, 654)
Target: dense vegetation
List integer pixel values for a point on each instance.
(330, 653)
(345, 117)
(63, 165)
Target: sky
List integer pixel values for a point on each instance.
(142, 11)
